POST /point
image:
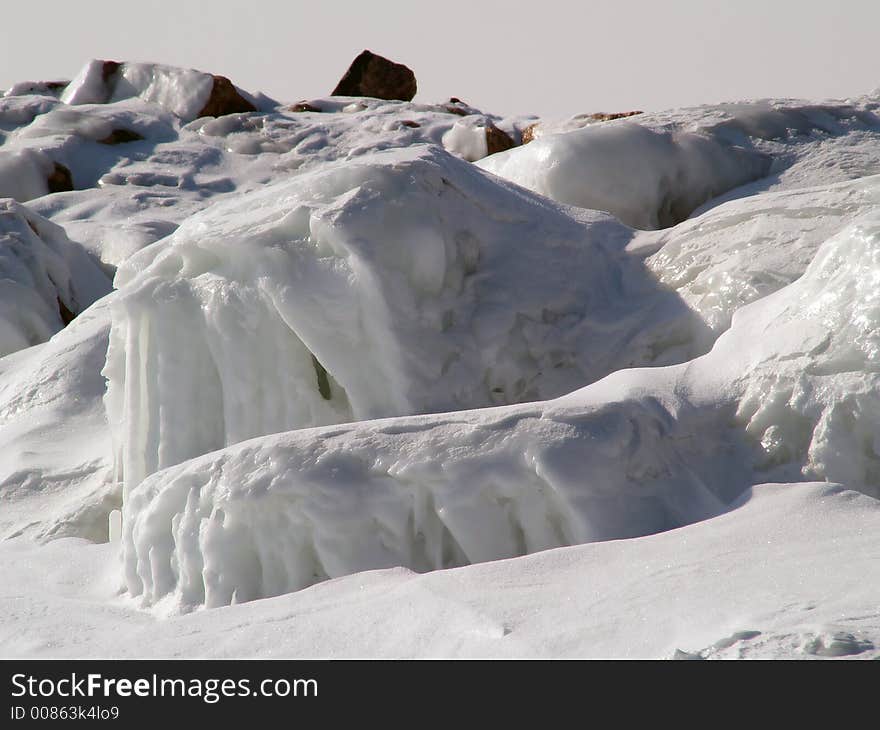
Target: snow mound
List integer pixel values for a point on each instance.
(45, 279)
(648, 179)
(56, 463)
(396, 283)
(790, 391)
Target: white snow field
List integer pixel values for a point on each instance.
(363, 390)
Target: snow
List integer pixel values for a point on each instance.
(400, 282)
(364, 391)
(790, 566)
(43, 277)
(654, 170)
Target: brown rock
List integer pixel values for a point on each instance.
(108, 71)
(497, 140)
(121, 136)
(528, 134)
(410, 123)
(65, 314)
(60, 181)
(304, 106)
(225, 99)
(377, 77)
(603, 117)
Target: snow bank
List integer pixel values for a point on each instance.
(396, 283)
(647, 179)
(789, 391)
(45, 279)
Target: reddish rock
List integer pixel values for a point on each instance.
(108, 71)
(225, 99)
(528, 134)
(457, 110)
(304, 106)
(603, 117)
(377, 77)
(410, 123)
(497, 140)
(60, 181)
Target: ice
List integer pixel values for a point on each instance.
(396, 283)
(745, 249)
(648, 179)
(654, 170)
(183, 92)
(45, 279)
(789, 391)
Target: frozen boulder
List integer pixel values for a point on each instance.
(398, 282)
(45, 279)
(187, 93)
(375, 76)
(648, 179)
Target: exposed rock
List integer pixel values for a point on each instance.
(60, 181)
(377, 77)
(121, 136)
(529, 133)
(410, 123)
(108, 71)
(304, 106)
(457, 110)
(65, 314)
(603, 117)
(225, 99)
(497, 140)
(455, 100)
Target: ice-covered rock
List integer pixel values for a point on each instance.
(401, 282)
(790, 390)
(654, 170)
(45, 279)
(186, 93)
(647, 179)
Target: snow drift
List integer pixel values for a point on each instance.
(647, 179)
(789, 391)
(396, 283)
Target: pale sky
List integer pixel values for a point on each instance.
(545, 57)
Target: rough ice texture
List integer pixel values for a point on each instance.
(648, 179)
(45, 279)
(654, 170)
(789, 390)
(398, 283)
(748, 248)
